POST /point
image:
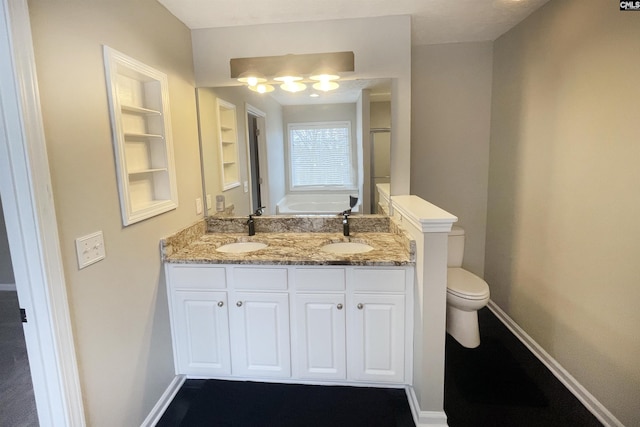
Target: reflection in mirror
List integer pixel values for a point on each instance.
(268, 155)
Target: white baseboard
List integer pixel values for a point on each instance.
(424, 418)
(581, 393)
(164, 401)
(7, 287)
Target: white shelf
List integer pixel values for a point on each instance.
(141, 171)
(139, 104)
(131, 135)
(132, 109)
(227, 122)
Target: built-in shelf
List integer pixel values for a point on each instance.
(227, 122)
(142, 136)
(132, 109)
(136, 172)
(139, 103)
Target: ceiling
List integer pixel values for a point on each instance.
(432, 21)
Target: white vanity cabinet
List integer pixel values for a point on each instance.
(343, 324)
(319, 332)
(378, 327)
(376, 339)
(199, 319)
(202, 332)
(259, 318)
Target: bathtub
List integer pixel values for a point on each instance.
(314, 204)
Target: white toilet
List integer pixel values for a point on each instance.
(466, 294)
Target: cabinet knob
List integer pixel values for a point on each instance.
(220, 303)
(360, 306)
(339, 306)
(239, 303)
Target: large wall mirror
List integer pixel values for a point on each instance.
(294, 153)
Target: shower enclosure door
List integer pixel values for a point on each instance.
(380, 164)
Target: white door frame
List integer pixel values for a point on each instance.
(27, 199)
(262, 150)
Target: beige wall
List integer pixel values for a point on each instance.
(563, 231)
(450, 116)
(118, 305)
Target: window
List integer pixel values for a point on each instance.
(320, 156)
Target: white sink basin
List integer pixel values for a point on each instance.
(241, 247)
(346, 248)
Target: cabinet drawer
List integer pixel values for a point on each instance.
(197, 277)
(379, 279)
(320, 279)
(260, 278)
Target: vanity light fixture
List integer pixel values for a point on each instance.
(325, 81)
(292, 86)
(320, 69)
(290, 82)
(251, 78)
(261, 88)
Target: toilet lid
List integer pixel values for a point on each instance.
(465, 284)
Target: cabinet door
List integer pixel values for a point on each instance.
(320, 336)
(201, 333)
(260, 334)
(376, 343)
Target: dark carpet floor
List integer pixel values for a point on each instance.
(17, 401)
(499, 384)
(502, 384)
(290, 405)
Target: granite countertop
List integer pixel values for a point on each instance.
(291, 241)
(297, 249)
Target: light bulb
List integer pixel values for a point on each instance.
(324, 77)
(251, 78)
(326, 85)
(293, 86)
(262, 88)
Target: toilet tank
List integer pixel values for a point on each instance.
(455, 251)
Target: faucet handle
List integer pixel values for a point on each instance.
(353, 201)
(259, 211)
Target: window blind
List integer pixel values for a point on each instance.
(320, 155)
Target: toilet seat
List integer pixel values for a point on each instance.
(466, 285)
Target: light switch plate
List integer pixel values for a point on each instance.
(90, 249)
(198, 206)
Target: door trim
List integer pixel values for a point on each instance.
(32, 230)
(262, 152)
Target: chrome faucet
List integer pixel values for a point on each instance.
(345, 215)
(251, 223)
(345, 222)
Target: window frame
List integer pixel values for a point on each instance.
(352, 153)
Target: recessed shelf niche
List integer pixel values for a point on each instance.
(229, 168)
(139, 104)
